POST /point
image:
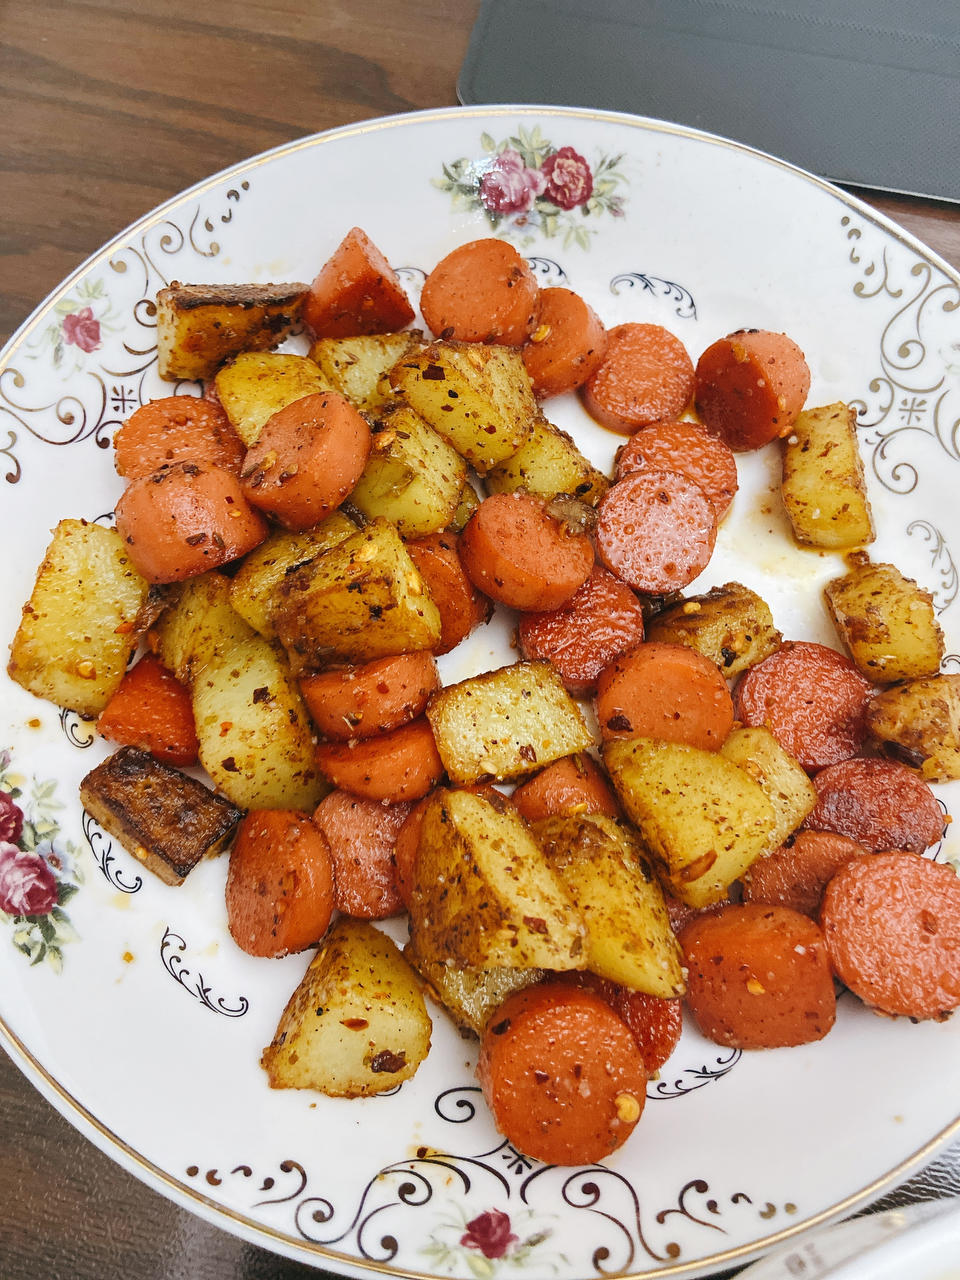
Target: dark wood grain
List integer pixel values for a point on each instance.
(108, 109)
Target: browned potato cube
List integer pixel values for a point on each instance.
(886, 621)
(201, 325)
(165, 819)
(78, 628)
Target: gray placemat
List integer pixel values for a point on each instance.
(864, 92)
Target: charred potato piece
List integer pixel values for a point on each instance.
(201, 325)
(781, 778)
(253, 585)
(476, 396)
(165, 819)
(823, 487)
(360, 600)
(485, 896)
(886, 621)
(357, 1024)
(629, 938)
(702, 817)
(505, 723)
(412, 477)
(918, 723)
(78, 629)
(256, 385)
(731, 625)
(547, 463)
(359, 367)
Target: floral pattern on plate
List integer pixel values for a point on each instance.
(525, 184)
(39, 872)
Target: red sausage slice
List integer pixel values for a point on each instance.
(597, 624)
(562, 1074)
(688, 448)
(656, 530)
(646, 376)
(892, 927)
(811, 698)
(880, 803)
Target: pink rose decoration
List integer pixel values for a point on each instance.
(569, 180)
(509, 186)
(11, 819)
(82, 329)
(490, 1233)
(27, 885)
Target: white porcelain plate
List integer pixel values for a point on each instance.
(127, 1003)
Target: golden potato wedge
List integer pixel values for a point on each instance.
(360, 600)
(702, 816)
(359, 367)
(608, 874)
(547, 463)
(468, 994)
(505, 723)
(485, 896)
(257, 741)
(781, 778)
(731, 625)
(476, 396)
(412, 477)
(357, 1024)
(886, 621)
(255, 385)
(918, 723)
(77, 630)
(253, 585)
(823, 487)
(199, 625)
(201, 325)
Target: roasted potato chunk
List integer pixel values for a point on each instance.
(256, 738)
(359, 367)
(360, 600)
(629, 938)
(197, 626)
(201, 325)
(505, 723)
(485, 896)
(918, 723)
(476, 396)
(547, 463)
(470, 995)
(255, 385)
(886, 621)
(77, 631)
(823, 487)
(165, 819)
(253, 586)
(731, 625)
(357, 1024)
(412, 477)
(702, 816)
(780, 777)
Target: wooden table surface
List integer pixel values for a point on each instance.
(109, 109)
